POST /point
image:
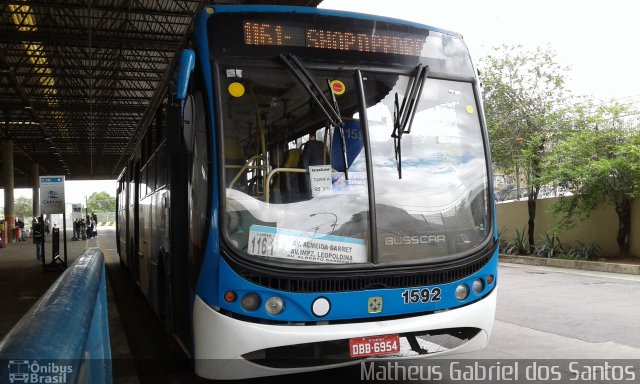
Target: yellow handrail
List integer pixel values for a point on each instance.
(244, 168)
(273, 172)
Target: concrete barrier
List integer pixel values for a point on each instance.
(64, 337)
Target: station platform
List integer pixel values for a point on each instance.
(23, 281)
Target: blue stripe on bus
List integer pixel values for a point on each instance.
(207, 287)
(350, 305)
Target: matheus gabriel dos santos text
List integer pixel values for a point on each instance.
(518, 371)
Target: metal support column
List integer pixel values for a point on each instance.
(35, 181)
(8, 182)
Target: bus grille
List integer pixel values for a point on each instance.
(370, 281)
(337, 351)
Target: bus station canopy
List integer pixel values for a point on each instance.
(79, 79)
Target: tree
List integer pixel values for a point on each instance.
(524, 107)
(23, 207)
(101, 202)
(600, 163)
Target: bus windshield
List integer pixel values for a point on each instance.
(439, 207)
(288, 197)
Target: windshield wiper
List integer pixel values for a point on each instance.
(331, 111)
(403, 114)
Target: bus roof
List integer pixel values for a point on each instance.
(324, 12)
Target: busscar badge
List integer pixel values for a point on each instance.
(375, 304)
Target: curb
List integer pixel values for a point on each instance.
(597, 266)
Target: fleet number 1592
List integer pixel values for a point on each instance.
(422, 295)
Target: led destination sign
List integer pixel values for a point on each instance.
(376, 41)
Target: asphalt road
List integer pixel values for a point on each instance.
(542, 313)
(563, 314)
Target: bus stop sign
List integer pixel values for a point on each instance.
(52, 194)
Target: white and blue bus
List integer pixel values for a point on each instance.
(314, 191)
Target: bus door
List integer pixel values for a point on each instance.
(133, 219)
(147, 179)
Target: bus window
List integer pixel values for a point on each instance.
(301, 197)
(143, 183)
(162, 165)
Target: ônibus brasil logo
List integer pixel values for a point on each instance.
(28, 372)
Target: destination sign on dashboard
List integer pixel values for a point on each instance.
(376, 41)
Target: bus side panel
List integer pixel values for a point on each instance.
(157, 268)
(144, 244)
(132, 238)
(207, 286)
(177, 182)
(119, 218)
(122, 219)
(157, 223)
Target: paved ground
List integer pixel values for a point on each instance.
(22, 279)
(154, 358)
(542, 313)
(558, 313)
(570, 314)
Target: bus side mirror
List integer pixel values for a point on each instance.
(185, 68)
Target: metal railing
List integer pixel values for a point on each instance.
(64, 337)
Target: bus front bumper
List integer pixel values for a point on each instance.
(221, 341)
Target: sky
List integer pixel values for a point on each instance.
(597, 39)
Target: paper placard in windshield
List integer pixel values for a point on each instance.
(320, 176)
(305, 246)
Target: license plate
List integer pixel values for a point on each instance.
(374, 345)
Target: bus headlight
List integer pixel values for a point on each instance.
(462, 291)
(274, 305)
(477, 287)
(250, 301)
(321, 306)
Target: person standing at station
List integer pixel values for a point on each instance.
(89, 227)
(83, 229)
(75, 230)
(34, 225)
(16, 231)
(94, 218)
(38, 235)
(78, 229)
(21, 224)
